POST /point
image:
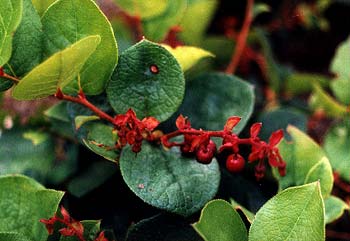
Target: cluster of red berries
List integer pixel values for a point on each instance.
(198, 142)
(72, 227)
(132, 131)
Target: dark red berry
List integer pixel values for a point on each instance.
(154, 69)
(205, 154)
(235, 163)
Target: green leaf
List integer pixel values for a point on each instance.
(42, 5)
(335, 208)
(12, 236)
(92, 178)
(169, 181)
(10, 15)
(248, 214)
(91, 229)
(306, 162)
(101, 139)
(82, 119)
(212, 98)
(57, 71)
(196, 20)
(149, 92)
(337, 147)
(320, 100)
(219, 221)
(155, 28)
(187, 56)
(24, 202)
(296, 213)
(299, 83)
(162, 227)
(341, 90)
(58, 112)
(341, 60)
(68, 21)
(143, 9)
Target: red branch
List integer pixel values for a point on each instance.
(241, 39)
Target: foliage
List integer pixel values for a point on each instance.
(151, 140)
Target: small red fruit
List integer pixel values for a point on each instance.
(235, 163)
(205, 154)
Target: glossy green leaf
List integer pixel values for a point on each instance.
(212, 98)
(101, 139)
(169, 181)
(82, 119)
(12, 236)
(296, 213)
(143, 9)
(335, 208)
(93, 177)
(341, 90)
(320, 100)
(149, 80)
(42, 5)
(23, 202)
(337, 147)
(196, 20)
(91, 229)
(248, 214)
(219, 221)
(299, 83)
(341, 60)
(162, 227)
(68, 21)
(155, 28)
(57, 71)
(10, 15)
(188, 56)
(306, 162)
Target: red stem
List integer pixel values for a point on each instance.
(241, 39)
(81, 99)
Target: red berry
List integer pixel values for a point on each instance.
(235, 163)
(1, 72)
(154, 69)
(205, 154)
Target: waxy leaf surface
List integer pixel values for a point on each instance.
(169, 181)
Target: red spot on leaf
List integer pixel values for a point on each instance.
(154, 69)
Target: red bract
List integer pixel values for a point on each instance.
(182, 123)
(231, 123)
(101, 237)
(49, 224)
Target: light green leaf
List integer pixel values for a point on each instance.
(154, 92)
(10, 16)
(341, 60)
(142, 8)
(341, 90)
(42, 5)
(57, 71)
(169, 181)
(299, 83)
(320, 100)
(12, 236)
(213, 97)
(259, 8)
(248, 214)
(196, 20)
(306, 162)
(155, 28)
(337, 147)
(219, 221)
(335, 208)
(296, 213)
(23, 202)
(187, 56)
(36, 137)
(82, 119)
(68, 21)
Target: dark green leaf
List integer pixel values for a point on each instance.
(299, 83)
(57, 71)
(212, 98)
(219, 221)
(68, 21)
(156, 92)
(91, 229)
(169, 181)
(23, 202)
(296, 213)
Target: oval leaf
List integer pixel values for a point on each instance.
(335, 208)
(23, 202)
(219, 221)
(68, 21)
(306, 162)
(149, 80)
(169, 181)
(296, 213)
(142, 8)
(57, 71)
(188, 56)
(212, 98)
(10, 15)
